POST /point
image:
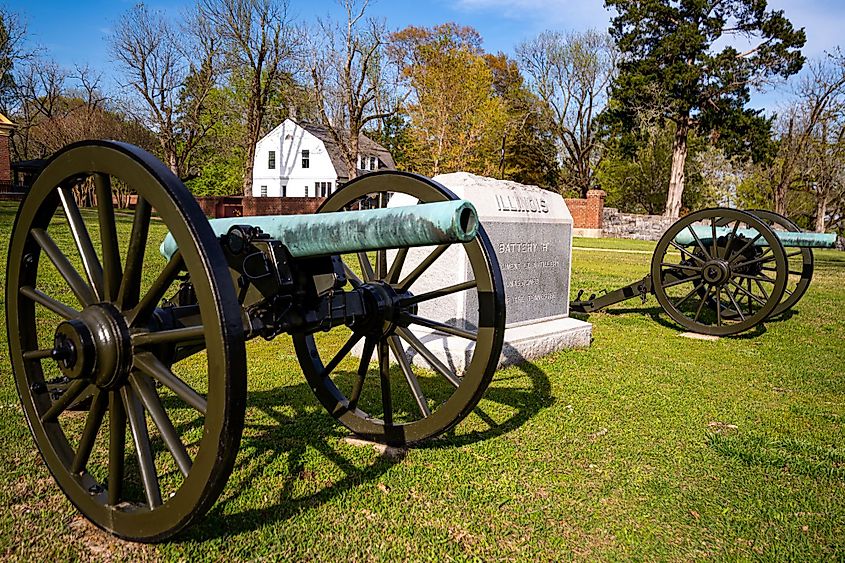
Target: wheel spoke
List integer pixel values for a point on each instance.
(713, 242)
(152, 366)
(363, 367)
(767, 256)
(351, 276)
(398, 263)
(439, 293)
(79, 232)
(112, 270)
(680, 266)
(442, 327)
(731, 240)
(342, 353)
(366, 267)
(422, 267)
(81, 290)
(117, 446)
(688, 295)
(748, 293)
(384, 374)
(145, 308)
(130, 284)
(681, 281)
(686, 252)
(152, 402)
(182, 335)
(45, 300)
(99, 404)
(744, 248)
(143, 448)
(414, 384)
(761, 277)
(718, 306)
(736, 306)
(63, 402)
(699, 243)
(701, 305)
(429, 357)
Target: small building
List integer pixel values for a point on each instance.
(302, 160)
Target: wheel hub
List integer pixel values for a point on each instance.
(95, 346)
(384, 308)
(716, 272)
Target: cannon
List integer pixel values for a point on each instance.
(131, 365)
(723, 271)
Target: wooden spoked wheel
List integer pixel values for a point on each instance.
(136, 406)
(717, 284)
(397, 402)
(799, 262)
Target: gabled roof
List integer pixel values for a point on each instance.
(366, 146)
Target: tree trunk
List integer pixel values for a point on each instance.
(821, 211)
(352, 156)
(676, 177)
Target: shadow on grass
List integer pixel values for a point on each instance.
(294, 434)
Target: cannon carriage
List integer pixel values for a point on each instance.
(723, 271)
(131, 366)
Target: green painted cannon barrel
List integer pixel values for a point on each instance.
(787, 238)
(320, 234)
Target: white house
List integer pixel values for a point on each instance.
(302, 160)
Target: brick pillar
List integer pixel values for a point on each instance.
(6, 128)
(595, 208)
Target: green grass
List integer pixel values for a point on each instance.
(645, 446)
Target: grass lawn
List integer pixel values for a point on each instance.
(645, 446)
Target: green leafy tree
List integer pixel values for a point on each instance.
(675, 57)
(457, 121)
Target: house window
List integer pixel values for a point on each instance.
(306, 158)
(271, 160)
(362, 162)
(372, 163)
(330, 188)
(306, 191)
(284, 191)
(263, 191)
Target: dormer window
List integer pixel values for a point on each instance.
(372, 163)
(271, 160)
(306, 158)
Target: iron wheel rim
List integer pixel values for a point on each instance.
(225, 399)
(485, 354)
(688, 274)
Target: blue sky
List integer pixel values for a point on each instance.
(75, 33)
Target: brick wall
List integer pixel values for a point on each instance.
(5, 159)
(587, 213)
(281, 205)
(225, 206)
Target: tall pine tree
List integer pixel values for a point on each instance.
(681, 56)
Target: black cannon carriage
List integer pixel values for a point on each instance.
(723, 271)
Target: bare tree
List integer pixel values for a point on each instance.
(347, 66)
(258, 44)
(171, 69)
(570, 73)
(820, 98)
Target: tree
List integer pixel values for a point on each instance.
(457, 121)
(12, 50)
(570, 73)
(347, 68)
(170, 69)
(258, 45)
(530, 154)
(674, 45)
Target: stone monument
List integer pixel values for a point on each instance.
(531, 231)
